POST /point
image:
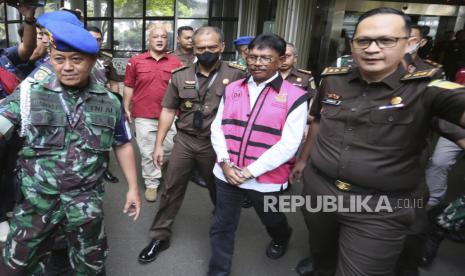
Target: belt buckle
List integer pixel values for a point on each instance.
(343, 186)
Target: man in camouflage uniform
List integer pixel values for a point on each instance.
(69, 121)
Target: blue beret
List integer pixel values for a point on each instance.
(243, 40)
(68, 37)
(61, 16)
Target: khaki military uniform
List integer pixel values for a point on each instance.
(192, 146)
(370, 140)
(186, 59)
(302, 79)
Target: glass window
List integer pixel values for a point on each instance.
(229, 29)
(128, 35)
(194, 23)
(104, 26)
(126, 8)
(12, 13)
(2, 13)
(74, 4)
(225, 8)
(167, 25)
(119, 54)
(160, 8)
(3, 42)
(101, 8)
(13, 36)
(192, 8)
(52, 5)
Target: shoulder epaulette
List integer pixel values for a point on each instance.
(445, 84)
(178, 69)
(237, 66)
(305, 71)
(42, 73)
(106, 54)
(335, 71)
(420, 74)
(435, 64)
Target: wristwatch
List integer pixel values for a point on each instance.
(228, 162)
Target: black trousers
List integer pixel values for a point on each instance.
(227, 215)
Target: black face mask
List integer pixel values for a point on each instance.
(208, 59)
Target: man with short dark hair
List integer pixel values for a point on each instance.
(370, 129)
(194, 94)
(184, 50)
(297, 77)
(256, 133)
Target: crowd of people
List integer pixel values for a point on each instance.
(247, 129)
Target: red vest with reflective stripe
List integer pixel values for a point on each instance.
(249, 132)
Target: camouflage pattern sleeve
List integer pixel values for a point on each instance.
(122, 131)
(10, 113)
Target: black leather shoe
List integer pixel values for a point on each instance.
(198, 179)
(109, 177)
(276, 250)
(246, 203)
(150, 253)
(305, 267)
(432, 245)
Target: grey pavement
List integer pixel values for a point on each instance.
(189, 251)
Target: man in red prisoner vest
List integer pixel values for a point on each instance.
(256, 133)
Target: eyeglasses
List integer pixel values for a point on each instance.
(382, 42)
(261, 59)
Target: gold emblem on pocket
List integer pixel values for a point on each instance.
(188, 104)
(396, 100)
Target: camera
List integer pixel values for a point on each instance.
(32, 3)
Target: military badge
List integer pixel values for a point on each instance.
(225, 81)
(189, 84)
(334, 96)
(396, 100)
(281, 97)
(188, 104)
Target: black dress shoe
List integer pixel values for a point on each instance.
(305, 267)
(276, 250)
(109, 177)
(432, 244)
(198, 179)
(246, 203)
(150, 253)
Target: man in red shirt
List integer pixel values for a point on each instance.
(146, 79)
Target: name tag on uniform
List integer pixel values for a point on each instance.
(331, 102)
(393, 106)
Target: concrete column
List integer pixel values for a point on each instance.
(248, 15)
(293, 23)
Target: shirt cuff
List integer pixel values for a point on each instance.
(256, 169)
(222, 155)
(5, 127)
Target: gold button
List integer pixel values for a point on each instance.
(343, 186)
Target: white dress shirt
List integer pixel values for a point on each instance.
(272, 158)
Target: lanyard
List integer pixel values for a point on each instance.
(72, 120)
(197, 88)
